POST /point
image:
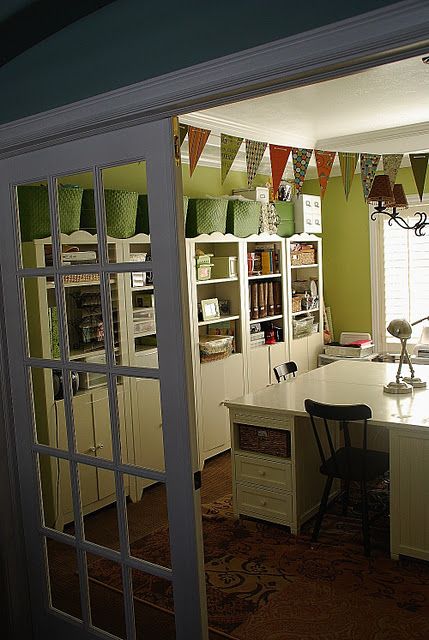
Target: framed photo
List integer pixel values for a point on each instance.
(210, 309)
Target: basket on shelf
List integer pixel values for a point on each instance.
(274, 442)
(142, 221)
(303, 254)
(243, 217)
(81, 277)
(302, 327)
(206, 215)
(121, 212)
(215, 347)
(33, 204)
(297, 303)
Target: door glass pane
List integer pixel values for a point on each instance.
(126, 203)
(56, 492)
(106, 595)
(34, 223)
(41, 318)
(101, 526)
(48, 414)
(72, 217)
(146, 417)
(153, 606)
(63, 577)
(147, 516)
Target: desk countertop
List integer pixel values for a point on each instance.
(346, 382)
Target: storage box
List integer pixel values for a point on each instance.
(121, 212)
(203, 264)
(308, 214)
(260, 194)
(348, 352)
(302, 326)
(285, 212)
(243, 217)
(297, 303)
(224, 267)
(206, 215)
(274, 442)
(33, 204)
(215, 347)
(303, 254)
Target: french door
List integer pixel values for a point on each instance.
(98, 342)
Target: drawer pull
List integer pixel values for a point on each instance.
(264, 503)
(262, 472)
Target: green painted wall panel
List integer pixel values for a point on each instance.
(129, 41)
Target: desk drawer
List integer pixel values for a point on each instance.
(262, 503)
(274, 475)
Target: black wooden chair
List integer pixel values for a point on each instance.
(348, 463)
(282, 371)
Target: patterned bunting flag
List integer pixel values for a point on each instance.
(368, 167)
(300, 158)
(183, 130)
(197, 141)
(254, 152)
(324, 162)
(229, 146)
(348, 162)
(391, 164)
(419, 165)
(278, 157)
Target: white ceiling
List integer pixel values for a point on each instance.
(381, 110)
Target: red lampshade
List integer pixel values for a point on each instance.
(401, 201)
(381, 191)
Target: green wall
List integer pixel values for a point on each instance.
(130, 40)
(346, 254)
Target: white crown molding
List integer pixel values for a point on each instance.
(404, 139)
(384, 35)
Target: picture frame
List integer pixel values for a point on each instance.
(210, 309)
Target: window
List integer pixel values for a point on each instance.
(402, 280)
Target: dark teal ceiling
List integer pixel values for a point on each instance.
(24, 23)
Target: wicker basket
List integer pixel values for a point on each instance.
(81, 277)
(274, 442)
(121, 212)
(206, 216)
(243, 217)
(297, 303)
(303, 256)
(215, 347)
(33, 203)
(142, 221)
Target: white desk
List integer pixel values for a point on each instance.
(264, 484)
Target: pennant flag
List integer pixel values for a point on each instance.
(197, 141)
(368, 167)
(419, 165)
(324, 162)
(183, 130)
(391, 164)
(229, 146)
(254, 152)
(348, 162)
(278, 158)
(300, 158)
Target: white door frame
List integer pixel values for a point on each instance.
(394, 32)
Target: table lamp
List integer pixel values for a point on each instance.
(402, 329)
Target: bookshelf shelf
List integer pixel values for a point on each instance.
(266, 319)
(265, 276)
(204, 323)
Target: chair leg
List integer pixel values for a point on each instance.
(365, 522)
(346, 497)
(322, 508)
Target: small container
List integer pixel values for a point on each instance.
(204, 266)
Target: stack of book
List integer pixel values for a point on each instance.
(264, 260)
(257, 339)
(356, 349)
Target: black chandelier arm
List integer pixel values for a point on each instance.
(417, 227)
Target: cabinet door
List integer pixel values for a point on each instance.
(84, 427)
(277, 356)
(299, 354)
(149, 425)
(214, 414)
(259, 368)
(315, 346)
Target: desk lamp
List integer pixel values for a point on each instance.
(402, 329)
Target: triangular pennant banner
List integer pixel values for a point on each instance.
(300, 158)
(278, 156)
(254, 152)
(368, 167)
(183, 130)
(391, 164)
(324, 162)
(197, 141)
(348, 162)
(229, 146)
(419, 165)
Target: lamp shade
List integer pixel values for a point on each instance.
(381, 191)
(401, 201)
(400, 328)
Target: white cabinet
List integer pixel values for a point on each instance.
(148, 428)
(308, 214)
(261, 363)
(305, 294)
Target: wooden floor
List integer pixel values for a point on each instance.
(145, 516)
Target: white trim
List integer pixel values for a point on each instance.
(384, 35)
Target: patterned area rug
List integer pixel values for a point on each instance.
(264, 583)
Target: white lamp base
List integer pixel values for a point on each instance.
(397, 387)
(417, 383)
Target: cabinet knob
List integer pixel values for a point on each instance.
(264, 503)
(92, 450)
(99, 446)
(262, 472)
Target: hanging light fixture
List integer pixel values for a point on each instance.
(395, 199)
